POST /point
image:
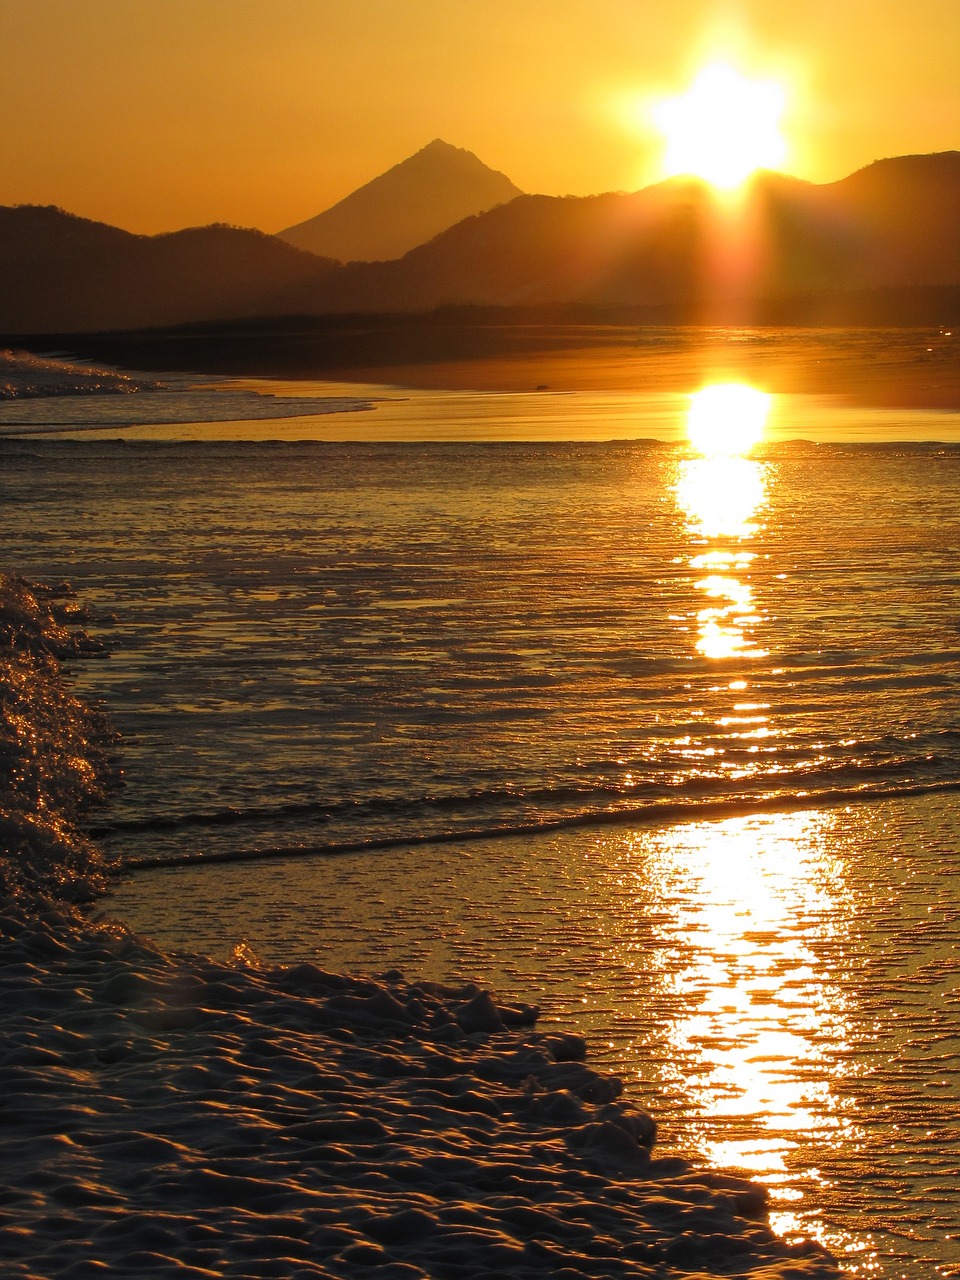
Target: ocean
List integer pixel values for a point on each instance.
(525, 690)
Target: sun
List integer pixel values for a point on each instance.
(723, 128)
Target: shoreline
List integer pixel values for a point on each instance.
(928, 384)
(27, 377)
(866, 368)
(173, 1116)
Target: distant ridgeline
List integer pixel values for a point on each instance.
(881, 246)
(55, 753)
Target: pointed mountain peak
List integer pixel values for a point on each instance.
(412, 202)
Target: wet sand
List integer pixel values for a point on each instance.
(171, 1116)
(875, 368)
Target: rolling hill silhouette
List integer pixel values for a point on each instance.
(61, 272)
(404, 207)
(880, 246)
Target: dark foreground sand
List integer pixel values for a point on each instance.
(171, 1116)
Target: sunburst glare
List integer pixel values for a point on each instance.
(723, 128)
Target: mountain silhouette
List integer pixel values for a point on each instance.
(404, 207)
(61, 272)
(893, 225)
(880, 246)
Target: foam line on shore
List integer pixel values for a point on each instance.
(642, 797)
(25, 376)
(56, 754)
(646, 815)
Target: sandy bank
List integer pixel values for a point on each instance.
(171, 1116)
(873, 368)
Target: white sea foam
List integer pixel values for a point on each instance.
(24, 376)
(51, 395)
(54, 751)
(163, 408)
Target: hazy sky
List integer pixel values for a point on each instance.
(159, 114)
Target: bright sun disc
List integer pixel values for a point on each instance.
(727, 419)
(724, 128)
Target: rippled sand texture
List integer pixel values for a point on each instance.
(182, 1118)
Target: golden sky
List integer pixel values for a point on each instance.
(159, 114)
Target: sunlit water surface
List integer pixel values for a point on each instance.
(717, 693)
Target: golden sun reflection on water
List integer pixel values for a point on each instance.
(753, 910)
(726, 419)
(720, 494)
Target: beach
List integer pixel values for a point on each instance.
(918, 368)
(171, 1115)
(508, 692)
(480, 640)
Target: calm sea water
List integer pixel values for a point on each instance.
(713, 698)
